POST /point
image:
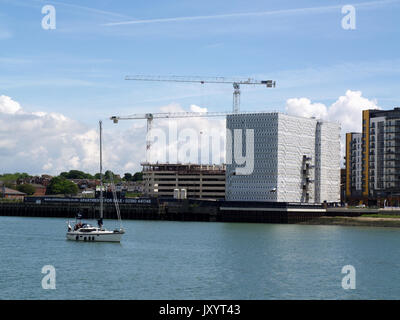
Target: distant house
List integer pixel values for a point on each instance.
(43, 180)
(86, 183)
(88, 193)
(135, 186)
(40, 190)
(11, 194)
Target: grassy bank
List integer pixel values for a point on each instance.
(369, 220)
(380, 215)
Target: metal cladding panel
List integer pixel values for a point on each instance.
(328, 162)
(296, 138)
(280, 144)
(259, 185)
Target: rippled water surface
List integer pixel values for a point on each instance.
(199, 260)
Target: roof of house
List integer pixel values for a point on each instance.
(12, 192)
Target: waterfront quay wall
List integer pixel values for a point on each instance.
(268, 212)
(165, 209)
(88, 210)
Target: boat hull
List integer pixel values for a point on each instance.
(102, 236)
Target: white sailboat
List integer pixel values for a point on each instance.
(86, 232)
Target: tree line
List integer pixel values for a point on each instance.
(61, 184)
(76, 174)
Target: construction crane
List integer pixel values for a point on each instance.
(150, 116)
(235, 82)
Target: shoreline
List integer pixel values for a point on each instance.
(209, 211)
(354, 221)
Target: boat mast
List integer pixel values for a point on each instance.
(101, 171)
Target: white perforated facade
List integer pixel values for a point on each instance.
(327, 166)
(295, 159)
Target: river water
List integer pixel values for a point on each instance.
(199, 260)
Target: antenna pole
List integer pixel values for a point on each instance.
(101, 170)
(149, 118)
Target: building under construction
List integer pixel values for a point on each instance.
(199, 181)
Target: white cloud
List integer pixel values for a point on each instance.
(347, 110)
(9, 106)
(305, 108)
(41, 142)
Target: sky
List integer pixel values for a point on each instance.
(56, 84)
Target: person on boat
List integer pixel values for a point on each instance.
(78, 225)
(100, 223)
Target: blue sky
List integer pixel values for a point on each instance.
(78, 69)
(82, 64)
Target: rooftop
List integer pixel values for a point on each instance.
(12, 192)
(184, 167)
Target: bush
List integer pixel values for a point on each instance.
(60, 185)
(26, 188)
(76, 174)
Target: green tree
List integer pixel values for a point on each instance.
(23, 175)
(128, 176)
(138, 176)
(108, 174)
(26, 188)
(60, 185)
(76, 174)
(10, 185)
(10, 177)
(64, 174)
